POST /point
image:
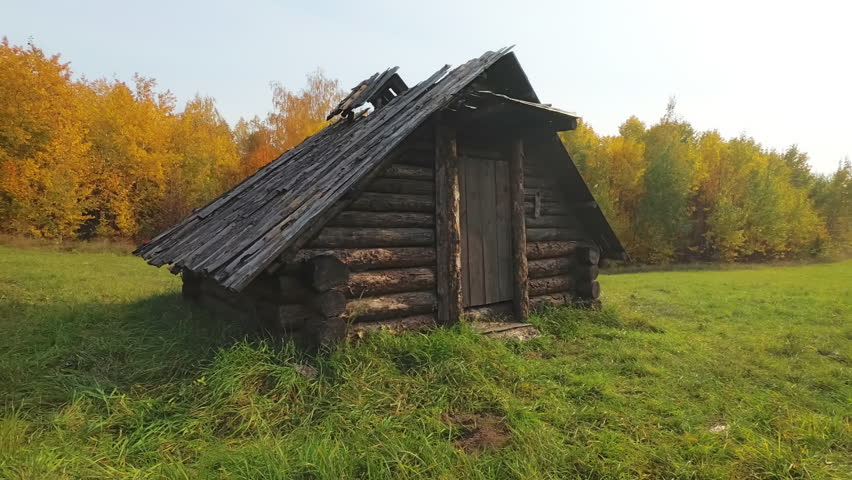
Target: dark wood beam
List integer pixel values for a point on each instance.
(447, 225)
(521, 302)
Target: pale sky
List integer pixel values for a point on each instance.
(778, 71)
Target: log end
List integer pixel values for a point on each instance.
(325, 272)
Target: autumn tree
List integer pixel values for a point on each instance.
(130, 130)
(298, 115)
(44, 169)
(255, 145)
(206, 164)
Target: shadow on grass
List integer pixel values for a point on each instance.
(59, 349)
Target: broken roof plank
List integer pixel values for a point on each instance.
(369, 90)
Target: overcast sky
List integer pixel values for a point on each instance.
(778, 71)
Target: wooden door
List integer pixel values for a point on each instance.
(486, 231)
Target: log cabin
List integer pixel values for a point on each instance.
(413, 208)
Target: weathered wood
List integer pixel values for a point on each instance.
(419, 154)
(265, 287)
(224, 310)
(212, 289)
(500, 310)
(549, 267)
(537, 205)
(474, 255)
(398, 185)
(589, 290)
(553, 221)
(393, 202)
(539, 250)
(191, 286)
(378, 282)
(551, 300)
(488, 216)
(503, 208)
(486, 232)
(545, 207)
(586, 273)
(447, 225)
(290, 290)
(409, 172)
(370, 309)
(533, 182)
(328, 304)
(376, 258)
(548, 234)
(344, 237)
(382, 219)
(559, 283)
(588, 255)
(287, 317)
(324, 272)
(325, 332)
(238, 235)
(519, 235)
(393, 325)
(465, 233)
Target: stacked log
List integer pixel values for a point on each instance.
(386, 238)
(563, 267)
(586, 273)
(226, 305)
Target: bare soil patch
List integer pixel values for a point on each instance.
(480, 432)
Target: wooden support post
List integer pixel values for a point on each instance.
(448, 225)
(519, 233)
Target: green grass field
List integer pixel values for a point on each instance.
(106, 373)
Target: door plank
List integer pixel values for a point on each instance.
(465, 250)
(475, 234)
(488, 214)
(504, 230)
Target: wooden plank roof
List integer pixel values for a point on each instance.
(237, 235)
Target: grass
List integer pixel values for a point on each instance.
(106, 373)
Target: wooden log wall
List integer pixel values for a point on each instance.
(562, 263)
(374, 266)
(383, 273)
(386, 238)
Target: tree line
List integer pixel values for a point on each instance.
(672, 193)
(82, 159)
